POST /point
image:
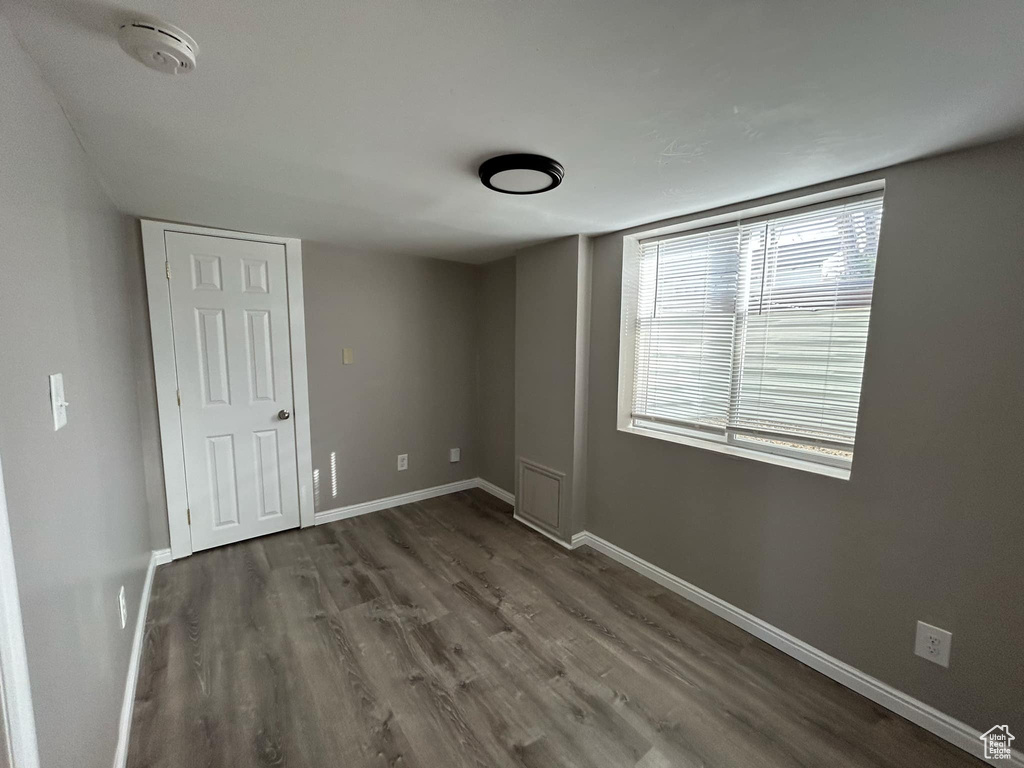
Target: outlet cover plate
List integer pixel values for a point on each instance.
(454, 455)
(403, 462)
(933, 643)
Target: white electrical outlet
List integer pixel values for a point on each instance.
(123, 605)
(403, 462)
(454, 455)
(933, 643)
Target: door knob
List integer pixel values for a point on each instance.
(283, 415)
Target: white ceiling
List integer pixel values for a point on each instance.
(362, 122)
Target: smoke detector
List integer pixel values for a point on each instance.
(159, 46)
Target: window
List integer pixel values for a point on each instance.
(749, 336)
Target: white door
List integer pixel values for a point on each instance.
(229, 311)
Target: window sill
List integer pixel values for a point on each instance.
(729, 449)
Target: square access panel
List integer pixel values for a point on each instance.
(540, 494)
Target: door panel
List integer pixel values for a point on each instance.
(268, 474)
(261, 355)
(229, 309)
(213, 356)
(220, 468)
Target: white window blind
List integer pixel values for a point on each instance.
(755, 332)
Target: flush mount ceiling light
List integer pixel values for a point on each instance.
(521, 174)
(159, 46)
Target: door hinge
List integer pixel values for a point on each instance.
(167, 269)
(179, 398)
(188, 515)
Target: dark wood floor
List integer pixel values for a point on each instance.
(445, 634)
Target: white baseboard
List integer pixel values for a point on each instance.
(161, 556)
(505, 496)
(354, 510)
(497, 492)
(942, 725)
(156, 558)
(542, 532)
(343, 513)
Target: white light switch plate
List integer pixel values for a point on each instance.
(454, 455)
(347, 356)
(58, 404)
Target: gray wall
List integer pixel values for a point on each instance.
(581, 384)
(145, 388)
(929, 526)
(411, 323)
(548, 313)
(76, 498)
(496, 364)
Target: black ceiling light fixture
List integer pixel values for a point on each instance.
(521, 174)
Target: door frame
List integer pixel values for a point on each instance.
(18, 717)
(154, 247)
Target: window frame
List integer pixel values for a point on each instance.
(726, 443)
